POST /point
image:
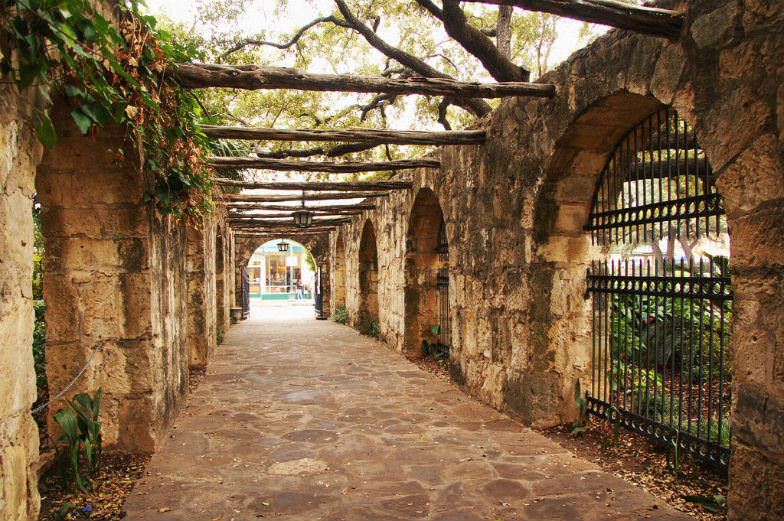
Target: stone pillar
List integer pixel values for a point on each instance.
(223, 279)
(200, 265)
(19, 154)
(114, 278)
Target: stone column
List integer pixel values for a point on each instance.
(114, 278)
(19, 154)
(200, 266)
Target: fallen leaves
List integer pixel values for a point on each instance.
(114, 482)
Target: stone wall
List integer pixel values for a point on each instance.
(114, 278)
(515, 208)
(19, 154)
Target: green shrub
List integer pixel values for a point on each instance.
(79, 448)
(373, 329)
(340, 314)
(39, 347)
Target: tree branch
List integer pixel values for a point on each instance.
(302, 30)
(478, 108)
(475, 41)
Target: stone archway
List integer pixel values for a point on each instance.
(423, 261)
(368, 278)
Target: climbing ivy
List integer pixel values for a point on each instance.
(112, 71)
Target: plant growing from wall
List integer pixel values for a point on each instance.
(112, 73)
(578, 426)
(79, 448)
(373, 329)
(340, 314)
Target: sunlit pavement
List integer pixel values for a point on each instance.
(308, 420)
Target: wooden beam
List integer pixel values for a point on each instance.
(346, 167)
(233, 215)
(284, 222)
(283, 229)
(277, 233)
(279, 207)
(358, 135)
(254, 77)
(298, 197)
(316, 186)
(646, 20)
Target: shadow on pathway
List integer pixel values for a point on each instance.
(308, 420)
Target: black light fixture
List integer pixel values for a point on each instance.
(283, 246)
(303, 218)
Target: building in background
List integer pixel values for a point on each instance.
(273, 274)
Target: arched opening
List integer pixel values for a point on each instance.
(368, 281)
(661, 293)
(339, 277)
(427, 279)
(280, 270)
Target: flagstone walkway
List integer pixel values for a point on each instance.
(301, 419)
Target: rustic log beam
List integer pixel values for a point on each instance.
(253, 77)
(316, 186)
(280, 227)
(276, 233)
(255, 198)
(279, 207)
(234, 215)
(646, 20)
(347, 167)
(359, 135)
(264, 220)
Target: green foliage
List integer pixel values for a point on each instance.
(578, 426)
(39, 346)
(221, 25)
(716, 504)
(79, 448)
(218, 336)
(615, 416)
(112, 75)
(340, 314)
(373, 329)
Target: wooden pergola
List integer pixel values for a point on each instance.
(254, 213)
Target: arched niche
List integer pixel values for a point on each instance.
(368, 278)
(339, 273)
(425, 258)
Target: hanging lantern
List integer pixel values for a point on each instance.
(283, 246)
(303, 218)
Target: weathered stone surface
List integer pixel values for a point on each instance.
(355, 450)
(19, 153)
(515, 208)
(114, 278)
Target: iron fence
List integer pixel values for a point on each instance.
(660, 364)
(661, 314)
(442, 281)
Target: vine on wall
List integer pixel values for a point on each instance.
(113, 73)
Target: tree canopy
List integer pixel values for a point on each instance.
(397, 39)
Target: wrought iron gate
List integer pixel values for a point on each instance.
(442, 282)
(660, 324)
(245, 296)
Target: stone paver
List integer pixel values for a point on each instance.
(308, 420)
